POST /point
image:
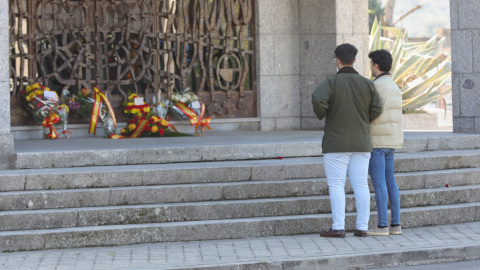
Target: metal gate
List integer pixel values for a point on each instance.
(148, 47)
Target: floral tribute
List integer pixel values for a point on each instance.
(42, 103)
(138, 110)
(144, 123)
(93, 105)
(187, 106)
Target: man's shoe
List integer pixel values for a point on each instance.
(378, 231)
(334, 233)
(359, 233)
(395, 230)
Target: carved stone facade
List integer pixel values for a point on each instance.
(294, 44)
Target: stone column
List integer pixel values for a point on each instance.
(6, 139)
(278, 64)
(325, 24)
(465, 25)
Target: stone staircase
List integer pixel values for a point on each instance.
(98, 192)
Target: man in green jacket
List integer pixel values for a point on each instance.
(349, 102)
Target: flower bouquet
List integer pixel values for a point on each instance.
(186, 97)
(160, 107)
(187, 106)
(93, 105)
(144, 124)
(42, 104)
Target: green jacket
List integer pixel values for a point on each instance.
(350, 102)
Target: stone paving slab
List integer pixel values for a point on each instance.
(437, 244)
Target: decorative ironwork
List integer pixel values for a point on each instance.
(142, 46)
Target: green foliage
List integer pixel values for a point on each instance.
(418, 68)
(375, 10)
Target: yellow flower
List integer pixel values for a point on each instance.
(132, 97)
(132, 126)
(155, 118)
(147, 109)
(64, 106)
(154, 129)
(122, 131)
(125, 111)
(135, 111)
(163, 122)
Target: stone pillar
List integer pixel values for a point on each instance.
(465, 25)
(278, 64)
(6, 139)
(325, 24)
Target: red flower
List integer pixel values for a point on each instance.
(160, 131)
(148, 128)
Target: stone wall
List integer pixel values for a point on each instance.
(6, 140)
(465, 24)
(278, 64)
(295, 44)
(324, 24)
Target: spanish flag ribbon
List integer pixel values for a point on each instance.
(195, 120)
(99, 98)
(50, 120)
(136, 133)
(116, 136)
(164, 123)
(140, 128)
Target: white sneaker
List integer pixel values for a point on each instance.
(378, 231)
(395, 230)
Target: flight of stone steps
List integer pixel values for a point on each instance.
(274, 186)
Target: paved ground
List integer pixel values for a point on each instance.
(466, 265)
(431, 244)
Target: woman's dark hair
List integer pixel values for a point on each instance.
(382, 58)
(346, 53)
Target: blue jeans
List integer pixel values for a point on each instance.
(383, 181)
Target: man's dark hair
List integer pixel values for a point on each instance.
(382, 58)
(346, 53)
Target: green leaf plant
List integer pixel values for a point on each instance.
(418, 68)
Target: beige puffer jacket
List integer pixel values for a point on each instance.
(387, 131)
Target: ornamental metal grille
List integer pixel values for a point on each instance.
(145, 47)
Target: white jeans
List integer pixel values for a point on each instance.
(336, 167)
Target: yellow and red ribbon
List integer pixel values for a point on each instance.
(50, 120)
(164, 123)
(136, 133)
(198, 121)
(99, 98)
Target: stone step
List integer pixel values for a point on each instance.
(114, 235)
(216, 172)
(72, 198)
(220, 146)
(217, 210)
(137, 195)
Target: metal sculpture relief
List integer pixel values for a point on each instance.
(149, 47)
